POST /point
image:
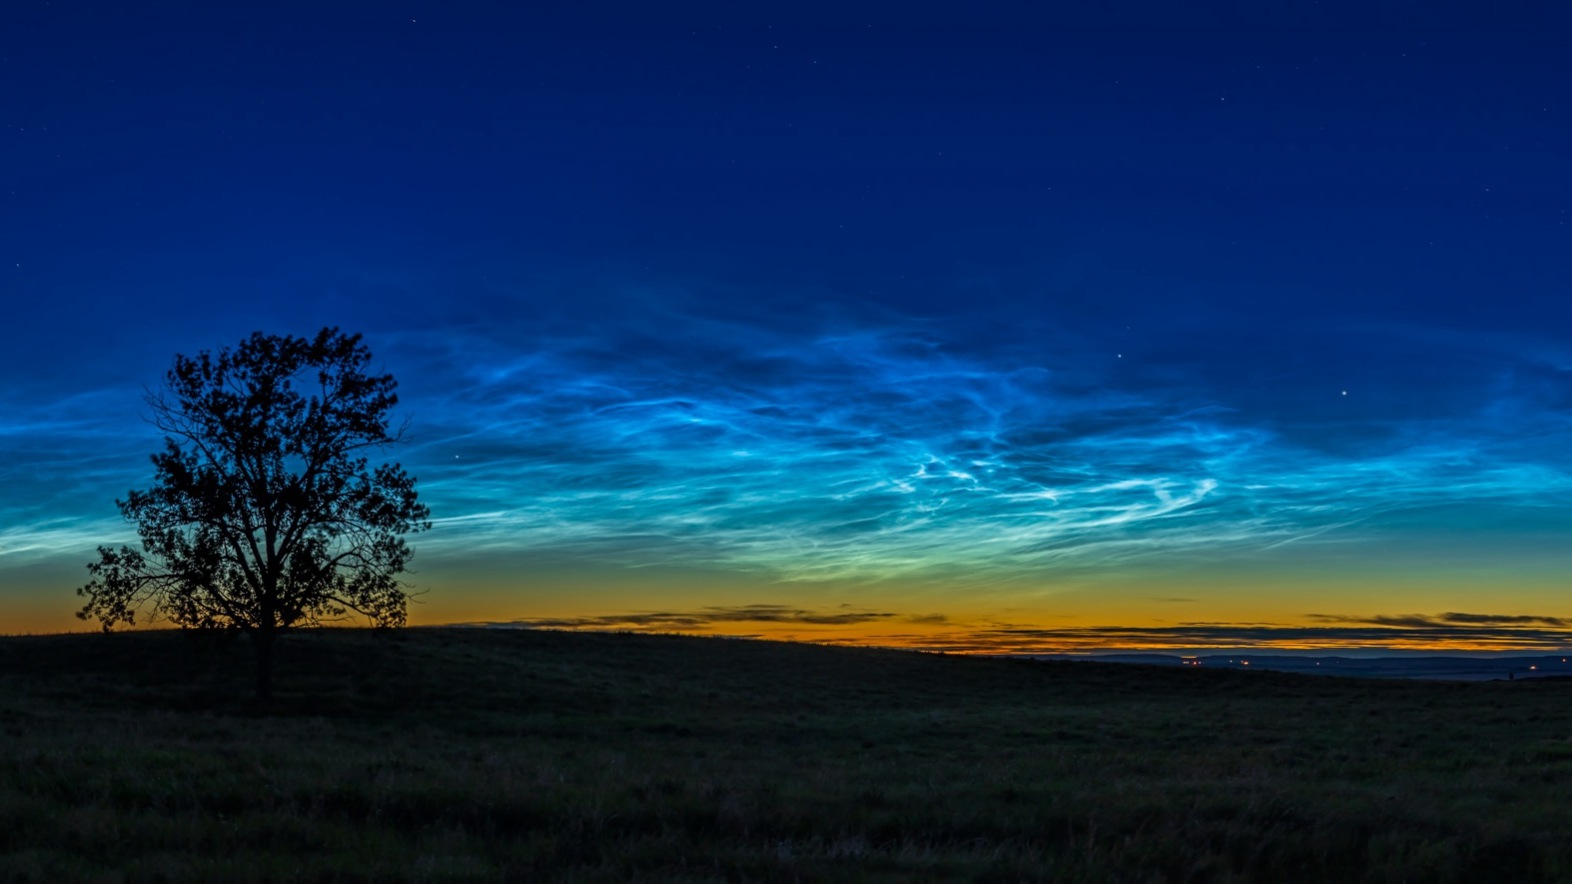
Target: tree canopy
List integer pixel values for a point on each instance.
(265, 512)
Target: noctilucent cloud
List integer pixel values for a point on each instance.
(1042, 331)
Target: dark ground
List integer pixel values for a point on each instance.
(451, 754)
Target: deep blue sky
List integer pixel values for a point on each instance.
(998, 319)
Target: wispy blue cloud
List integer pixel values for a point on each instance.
(63, 462)
(830, 445)
(875, 450)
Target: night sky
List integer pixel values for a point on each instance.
(1137, 327)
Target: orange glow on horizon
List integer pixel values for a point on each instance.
(969, 639)
(1136, 617)
(958, 639)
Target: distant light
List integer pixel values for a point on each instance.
(1533, 667)
(1245, 662)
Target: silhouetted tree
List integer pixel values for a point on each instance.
(264, 514)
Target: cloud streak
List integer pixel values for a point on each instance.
(883, 451)
(704, 618)
(1325, 632)
(63, 462)
(1414, 632)
(1449, 620)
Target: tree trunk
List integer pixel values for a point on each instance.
(262, 643)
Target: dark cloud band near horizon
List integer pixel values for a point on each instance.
(1451, 630)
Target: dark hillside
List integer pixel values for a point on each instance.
(438, 754)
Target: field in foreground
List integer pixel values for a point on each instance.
(448, 754)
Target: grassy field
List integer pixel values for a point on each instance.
(446, 754)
